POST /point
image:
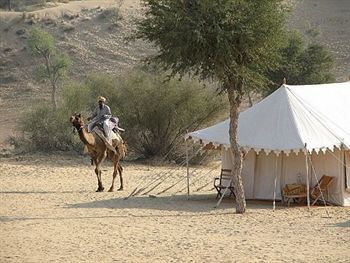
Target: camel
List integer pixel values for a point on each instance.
(98, 152)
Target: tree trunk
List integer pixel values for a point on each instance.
(235, 99)
(9, 6)
(250, 100)
(53, 95)
(47, 57)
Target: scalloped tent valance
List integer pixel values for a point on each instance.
(292, 119)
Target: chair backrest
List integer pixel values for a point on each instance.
(225, 176)
(322, 185)
(324, 182)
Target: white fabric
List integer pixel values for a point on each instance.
(108, 127)
(292, 116)
(259, 172)
(317, 116)
(347, 170)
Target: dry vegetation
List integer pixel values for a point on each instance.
(91, 32)
(94, 35)
(326, 22)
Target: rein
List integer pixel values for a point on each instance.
(75, 129)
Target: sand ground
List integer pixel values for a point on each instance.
(50, 213)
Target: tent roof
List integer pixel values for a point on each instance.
(317, 116)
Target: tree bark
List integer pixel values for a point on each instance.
(9, 6)
(51, 76)
(235, 99)
(53, 95)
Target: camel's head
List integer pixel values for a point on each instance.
(77, 121)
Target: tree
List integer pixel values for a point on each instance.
(55, 65)
(231, 41)
(301, 65)
(9, 6)
(157, 113)
(6, 3)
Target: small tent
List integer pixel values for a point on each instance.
(295, 135)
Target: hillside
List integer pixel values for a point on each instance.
(94, 34)
(86, 30)
(326, 22)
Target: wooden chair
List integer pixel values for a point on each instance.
(321, 188)
(294, 192)
(221, 183)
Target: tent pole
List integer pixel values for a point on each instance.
(307, 179)
(282, 178)
(274, 192)
(188, 172)
(255, 172)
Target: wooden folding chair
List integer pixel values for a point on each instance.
(224, 181)
(321, 188)
(294, 192)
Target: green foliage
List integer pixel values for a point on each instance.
(155, 113)
(46, 130)
(230, 40)
(76, 97)
(40, 42)
(59, 65)
(57, 68)
(55, 63)
(316, 63)
(302, 65)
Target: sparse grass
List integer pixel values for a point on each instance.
(30, 8)
(312, 32)
(34, 5)
(67, 27)
(113, 15)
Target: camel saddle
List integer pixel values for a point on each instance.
(115, 138)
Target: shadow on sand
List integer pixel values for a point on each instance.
(43, 192)
(345, 224)
(179, 203)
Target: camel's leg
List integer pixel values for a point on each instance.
(98, 172)
(115, 171)
(120, 171)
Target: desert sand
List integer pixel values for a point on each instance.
(49, 212)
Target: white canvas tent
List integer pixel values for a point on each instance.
(296, 134)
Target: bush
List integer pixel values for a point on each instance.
(155, 113)
(301, 64)
(46, 130)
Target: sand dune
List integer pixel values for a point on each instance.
(50, 213)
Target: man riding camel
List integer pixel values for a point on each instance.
(102, 115)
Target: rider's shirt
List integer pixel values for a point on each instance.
(101, 114)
